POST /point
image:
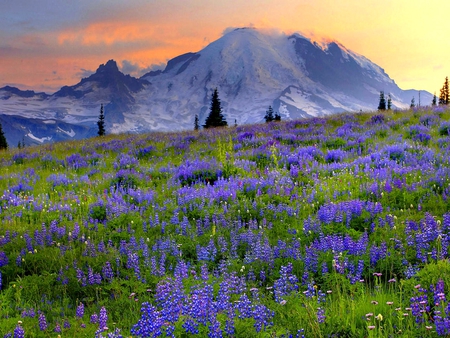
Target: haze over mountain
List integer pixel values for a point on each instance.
(252, 69)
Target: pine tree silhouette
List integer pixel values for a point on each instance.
(196, 125)
(215, 117)
(269, 117)
(101, 122)
(382, 103)
(3, 143)
(444, 94)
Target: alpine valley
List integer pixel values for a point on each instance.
(252, 69)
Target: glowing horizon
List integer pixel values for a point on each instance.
(44, 46)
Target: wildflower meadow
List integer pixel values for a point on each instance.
(321, 227)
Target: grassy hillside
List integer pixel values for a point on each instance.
(326, 227)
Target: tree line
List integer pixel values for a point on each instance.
(444, 98)
(216, 119)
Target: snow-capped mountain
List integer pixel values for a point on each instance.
(252, 69)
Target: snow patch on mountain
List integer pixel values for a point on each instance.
(70, 133)
(39, 139)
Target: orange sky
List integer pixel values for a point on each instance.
(46, 44)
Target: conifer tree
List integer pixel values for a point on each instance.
(444, 96)
(196, 125)
(3, 142)
(434, 102)
(277, 117)
(441, 97)
(413, 103)
(21, 145)
(101, 122)
(389, 102)
(269, 117)
(382, 103)
(215, 117)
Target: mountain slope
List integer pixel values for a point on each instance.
(251, 69)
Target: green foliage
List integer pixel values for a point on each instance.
(98, 213)
(335, 143)
(225, 155)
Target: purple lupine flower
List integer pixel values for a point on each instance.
(133, 263)
(94, 318)
(80, 311)
(3, 259)
(42, 321)
(107, 272)
(419, 306)
(102, 318)
(286, 284)
(262, 316)
(19, 332)
(57, 328)
(244, 306)
(190, 326)
(214, 329)
(150, 324)
(320, 315)
(439, 292)
(125, 161)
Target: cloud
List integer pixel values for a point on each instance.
(233, 28)
(83, 73)
(262, 27)
(127, 67)
(134, 69)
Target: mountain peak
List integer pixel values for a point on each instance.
(110, 66)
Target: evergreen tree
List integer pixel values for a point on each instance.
(269, 117)
(445, 92)
(196, 125)
(382, 103)
(413, 103)
(215, 117)
(101, 122)
(441, 97)
(21, 145)
(3, 143)
(389, 102)
(277, 117)
(235, 122)
(434, 102)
